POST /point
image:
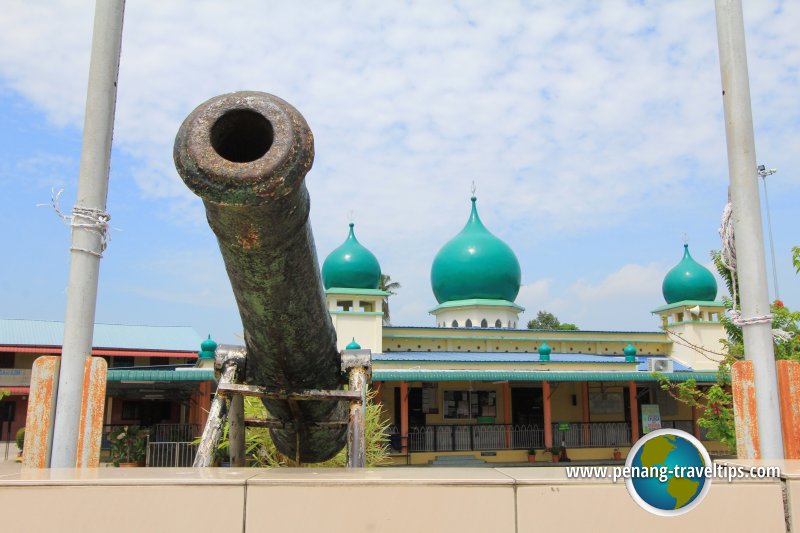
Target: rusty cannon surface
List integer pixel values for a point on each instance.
(246, 155)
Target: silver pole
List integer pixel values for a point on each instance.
(87, 230)
(751, 265)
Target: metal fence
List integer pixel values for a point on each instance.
(170, 453)
(592, 434)
(174, 432)
(445, 438)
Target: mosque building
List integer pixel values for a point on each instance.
(474, 386)
(471, 386)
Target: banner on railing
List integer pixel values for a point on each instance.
(651, 417)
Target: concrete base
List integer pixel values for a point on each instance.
(386, 499)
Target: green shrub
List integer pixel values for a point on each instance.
(20, 438)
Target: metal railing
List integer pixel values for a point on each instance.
(174, 432)
(446, 438)
(592, 434)
(170, 453)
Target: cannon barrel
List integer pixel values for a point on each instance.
(246, 155)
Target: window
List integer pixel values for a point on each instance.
(7, 360)
(469, 404)
(344, 305)
(498, 324)
(484, 323)
(118, 362)
(131, 410)
(455, 323)
(468, 323)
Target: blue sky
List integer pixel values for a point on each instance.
(593, 130)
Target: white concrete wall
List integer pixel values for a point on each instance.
(500, 500)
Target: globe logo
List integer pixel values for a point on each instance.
(670, 472)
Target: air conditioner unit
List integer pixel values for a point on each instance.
(659, 364)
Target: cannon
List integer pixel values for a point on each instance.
(246, 155)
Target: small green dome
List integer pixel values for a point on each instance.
(475, 264)
(353, 345)
(689, 280)
(544, 352)
(351, 266)
(630, 353)
(208, 349)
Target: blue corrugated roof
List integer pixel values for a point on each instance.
(19, 332)
(496, 357)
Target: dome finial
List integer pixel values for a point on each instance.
(685, 238)
(630, 353)
(351, 216)
(544, 352)
(473, 189)
(208, 349)
(353, 345)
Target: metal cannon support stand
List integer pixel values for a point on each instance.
(228, 404)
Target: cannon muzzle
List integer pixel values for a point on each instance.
(246, 155)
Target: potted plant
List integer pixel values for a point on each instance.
(532, 455)
(20, 440)
(128, 446)
(617, 454)
(556, 452)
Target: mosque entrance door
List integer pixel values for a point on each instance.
(527, 407)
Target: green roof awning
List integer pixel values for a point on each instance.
(510, 375)
(159, 375)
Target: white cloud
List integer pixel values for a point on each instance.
(573, 117)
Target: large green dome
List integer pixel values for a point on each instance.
(475, 264)
(351, 266)
(689, 280)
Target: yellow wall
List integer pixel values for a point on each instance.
(513, 340)
(561, 402)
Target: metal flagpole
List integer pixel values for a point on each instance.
(89, 225)
(750, 261)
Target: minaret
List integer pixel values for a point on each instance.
(351, 274)
(691, 315)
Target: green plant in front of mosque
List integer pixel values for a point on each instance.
(128, 444)
(715, 403)
(260, 451)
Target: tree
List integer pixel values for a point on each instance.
(386, 284)
(547, 320)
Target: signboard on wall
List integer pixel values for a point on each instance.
(429, 404)
(651, 417)
(606, 403)
(15, 377)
